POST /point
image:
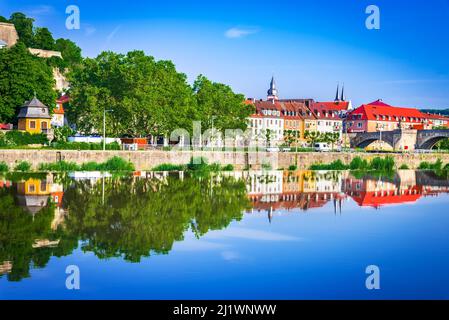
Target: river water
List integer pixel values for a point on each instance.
(236, 235)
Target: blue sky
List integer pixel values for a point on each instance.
(309, 46)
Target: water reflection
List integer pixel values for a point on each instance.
(132, 217)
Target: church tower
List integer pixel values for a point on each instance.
(272, 94)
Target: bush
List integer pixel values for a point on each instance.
(404, 167)
(228, 167)
(438, 165)
(60, 166)
(169, 167)
(293, 168)
(23, 166)
(197, 164)
(336, 165)
(358, 164)
(116, 164)
(382, 164)
(63, 133)
(266, 166)
(20, 138)
(85, 146)
(3, 167)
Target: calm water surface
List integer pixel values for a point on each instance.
(252, 235)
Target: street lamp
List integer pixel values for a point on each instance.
(104, 127)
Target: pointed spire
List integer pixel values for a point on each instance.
(272, 92)
(338, 91)
(343, 98)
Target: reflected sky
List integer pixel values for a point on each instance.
(304, 235)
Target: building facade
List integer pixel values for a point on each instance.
(34, 117)
(379, 116)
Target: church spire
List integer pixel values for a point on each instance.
(272, 93)
(343, 98)
(337, 94)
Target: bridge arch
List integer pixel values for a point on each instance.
(366, 143)
(428, 139)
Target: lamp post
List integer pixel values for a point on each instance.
(104, 127)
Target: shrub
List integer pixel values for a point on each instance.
(404, 167)
(228, 167)
(358, 164)
(382, 164)
(116, 164)
(438, 165)
(266, 166)
(169, 167)
(3, 167)
(197, 164)
(85, 146)
(23, 166)
(336, 165)
(293, 168)
(60, 166)
(214, 167)
(21, 138)
(90, 166)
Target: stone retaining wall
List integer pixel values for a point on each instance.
(146, 160)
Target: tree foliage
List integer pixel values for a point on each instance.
(22, 75)
(145, 96)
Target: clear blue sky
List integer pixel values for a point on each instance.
(309, 46)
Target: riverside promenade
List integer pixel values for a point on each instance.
(147, 160)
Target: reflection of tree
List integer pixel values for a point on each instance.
(139, 217)
(19, 231)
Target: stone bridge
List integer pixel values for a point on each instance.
(401, 139)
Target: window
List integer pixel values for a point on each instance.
(31, 188)
(359, 124)
(32, 124)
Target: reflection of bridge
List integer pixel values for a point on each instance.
(401, 139)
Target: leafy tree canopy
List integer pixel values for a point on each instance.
(22, 74)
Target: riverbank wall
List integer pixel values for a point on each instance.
(147, 160)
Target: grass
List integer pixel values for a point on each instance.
(359, 164)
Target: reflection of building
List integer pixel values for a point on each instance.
(33, 194)
(276, 190)
(403, 188)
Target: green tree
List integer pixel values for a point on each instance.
(145, 96)
(3, 19)
(312, 136)
(24, 27)
(70, 52)
(22, 74)
(218, 103)
(43, 39)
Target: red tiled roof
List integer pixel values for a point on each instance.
(335, 106)
(379, 109)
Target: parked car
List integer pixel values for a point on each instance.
(322, 147)
(273, 149)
